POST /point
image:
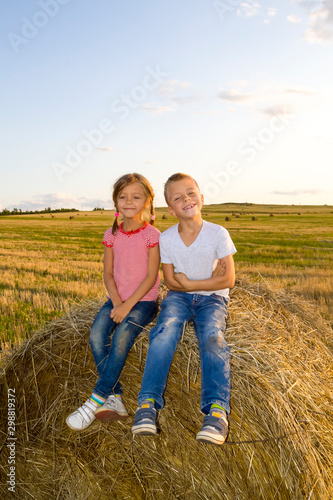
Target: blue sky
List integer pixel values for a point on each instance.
(238, 94)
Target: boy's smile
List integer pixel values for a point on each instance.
(184, 199)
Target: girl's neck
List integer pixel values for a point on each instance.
(132, 223)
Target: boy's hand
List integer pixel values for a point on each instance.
(219, 269)
(119, 313)
(182, 279)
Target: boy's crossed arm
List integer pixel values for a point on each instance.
(223, 276)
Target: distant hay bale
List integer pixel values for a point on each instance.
(71, 217)
(228, 219)
(254, 218)
(164, 217)
(280, 444)
(237, 216)
(271, 215)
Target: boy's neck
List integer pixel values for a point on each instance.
(190, 225)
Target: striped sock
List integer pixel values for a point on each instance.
(99, 400)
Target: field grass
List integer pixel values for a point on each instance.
(49, 262)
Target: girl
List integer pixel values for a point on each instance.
(131, 277)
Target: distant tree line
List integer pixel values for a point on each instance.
(48, 210)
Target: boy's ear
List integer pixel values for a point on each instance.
(171, 212)
(202, 198)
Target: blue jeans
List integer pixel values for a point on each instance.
(110, 359)
(208, 313)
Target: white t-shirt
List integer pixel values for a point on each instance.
(199, 259)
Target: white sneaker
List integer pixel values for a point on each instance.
(112, 409)
(83, 416)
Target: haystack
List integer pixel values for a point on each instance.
(280, 444)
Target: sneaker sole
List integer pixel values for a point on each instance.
(109, 416)
(144, 430)
(206, 437)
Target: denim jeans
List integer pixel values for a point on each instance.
(110, 359)
(208, 313)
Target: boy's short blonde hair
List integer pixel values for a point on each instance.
(174, 178)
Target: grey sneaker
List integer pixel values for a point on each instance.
(112, 409)
(145, 419)
(215, 427)
(83, 416)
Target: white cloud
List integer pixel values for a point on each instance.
(249, 9)
(175, 92)
(208, 112)
(155, 109)
(271, 99)
(278, 110)
(60, 200)
(294, 19)
(234, 96)
(170, 87)
(320, 20)
(108, 148)
(298, 192)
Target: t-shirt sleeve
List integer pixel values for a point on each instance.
(153, 237)
(164, 249)
(225, 245)
(108, 239)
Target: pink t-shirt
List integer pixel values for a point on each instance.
(130, 258)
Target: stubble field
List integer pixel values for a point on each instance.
(51, 262)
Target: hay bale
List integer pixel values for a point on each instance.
(164, 217)
(254, 218)
(280, 444)
(228, 219)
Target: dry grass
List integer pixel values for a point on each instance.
(280, 444)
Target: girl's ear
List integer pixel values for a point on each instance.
(202, 198)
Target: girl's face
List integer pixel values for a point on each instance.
(132, 201)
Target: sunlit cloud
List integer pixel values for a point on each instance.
(320, 20)
(176, 93)
(155, 109)
(249, 9)
(278, 110)
(298, 192)
(294, 19)
(234, 96)
(60, 200)
(208, 112)
(107, 148)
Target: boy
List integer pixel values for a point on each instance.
(190, 251)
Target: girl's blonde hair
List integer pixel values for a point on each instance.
(126, 180)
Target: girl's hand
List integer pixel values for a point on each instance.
(219, 269)
(118, 314)
(182, 279)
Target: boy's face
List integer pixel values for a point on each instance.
(184, 199)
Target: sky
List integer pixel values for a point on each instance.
(237, 94)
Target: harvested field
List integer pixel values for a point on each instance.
(280, 444)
